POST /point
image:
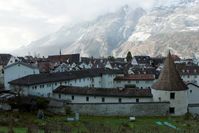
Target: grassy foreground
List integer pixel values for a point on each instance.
(97, 124)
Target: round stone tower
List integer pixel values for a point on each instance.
(170, 88)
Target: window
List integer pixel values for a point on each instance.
(103, 99)
(87, 99)
(159, 99)
(172, 95)
(137, 100)
(190, 91)
(49, 85)
(41, 86)
(59, 96)
(55, 84)
(72, 97)
(171, 110)
(120, 100)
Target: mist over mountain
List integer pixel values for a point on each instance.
(171, 24)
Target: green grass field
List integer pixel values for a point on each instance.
(99, 124)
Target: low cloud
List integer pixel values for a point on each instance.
(23, 21)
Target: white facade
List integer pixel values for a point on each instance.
(12, 60)
(1, 75)
(17, 70)
(145, 84)
(189, 78)
(179, 102)
(45, 89)
(99, 99)
(193, 94)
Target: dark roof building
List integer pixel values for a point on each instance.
(4, 59)
(61, 76)
(169, 79)
(111, 92)
(70, 58)
(142, 59)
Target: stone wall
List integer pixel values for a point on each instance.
(122, 109)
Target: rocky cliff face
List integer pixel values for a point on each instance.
(173, 27)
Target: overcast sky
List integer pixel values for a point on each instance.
(23, 21)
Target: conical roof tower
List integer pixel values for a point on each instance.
(169, 79)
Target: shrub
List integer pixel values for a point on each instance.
(42, 103)
(68, 110)
(188, 116)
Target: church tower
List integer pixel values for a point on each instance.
(170, 88)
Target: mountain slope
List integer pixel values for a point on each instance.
(95, 38)
(165, 27)
(170, 24)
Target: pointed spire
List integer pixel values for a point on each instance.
(60, 56)
(169, 79)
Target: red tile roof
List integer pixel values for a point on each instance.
(136, 77)
(113, 92)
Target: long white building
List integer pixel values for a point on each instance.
(16, 71)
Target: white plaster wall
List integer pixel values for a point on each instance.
(180, 102)
(98, 99)
(191, 78)
(193, 94)
(1, 75)
(46, 89)
(140, 83)
(107, 80)
(17, 71)
(12, 60)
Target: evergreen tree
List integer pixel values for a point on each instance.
(129, 57)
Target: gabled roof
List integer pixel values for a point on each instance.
(169, 79)
(113, 92)
(142, 59)
(61, 76)
(4, 59)
(64, 58)
(22, 63)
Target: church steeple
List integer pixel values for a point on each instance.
(169, 79)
